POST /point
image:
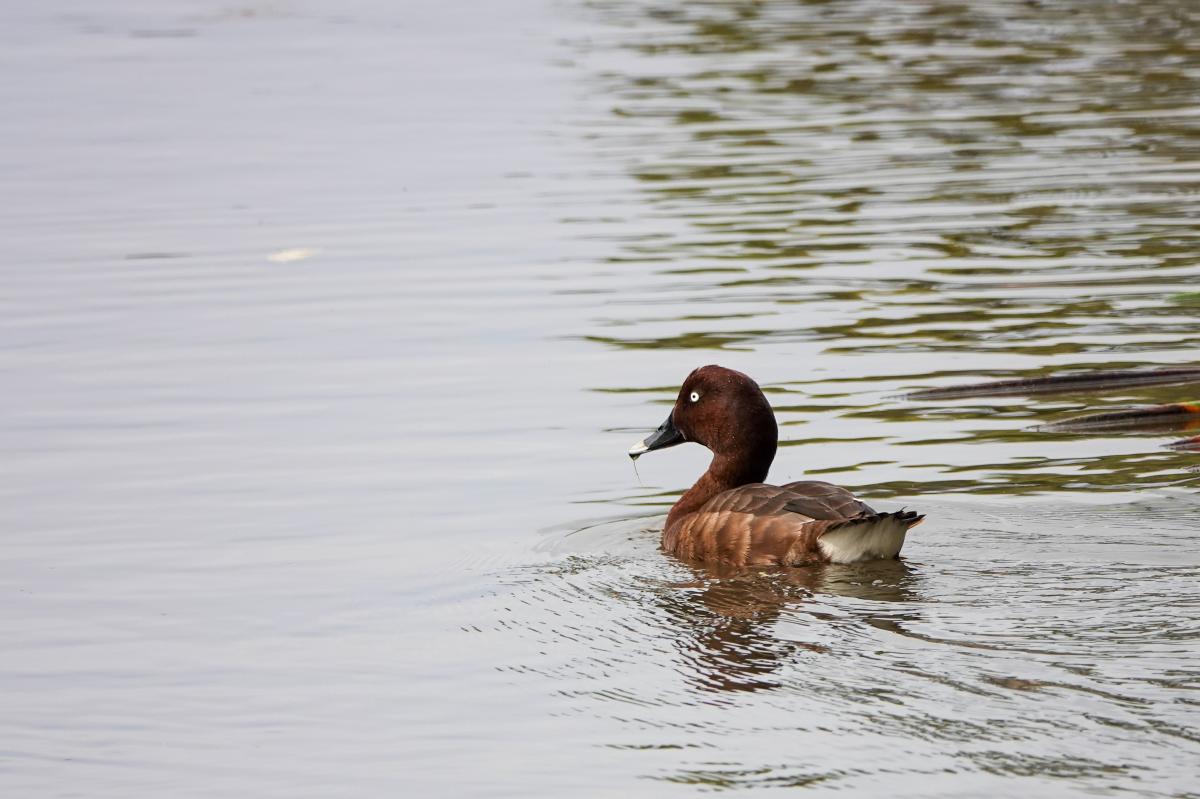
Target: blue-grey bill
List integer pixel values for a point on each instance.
(667, 435)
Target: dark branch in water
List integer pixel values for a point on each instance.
(1083, 381)
(1176, 416)
(1187, 443)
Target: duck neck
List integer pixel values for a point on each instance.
(725, 472)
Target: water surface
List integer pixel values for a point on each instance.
(325, 329)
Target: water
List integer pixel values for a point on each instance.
(326, 327)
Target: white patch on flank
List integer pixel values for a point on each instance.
(869, 541)
(638, 448)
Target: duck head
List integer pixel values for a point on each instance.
(725, 411)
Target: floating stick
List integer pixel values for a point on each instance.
(1079, 381)
(1176, 416)
(1187, 443)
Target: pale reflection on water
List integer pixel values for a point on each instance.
(1033, 641)
(731, 619)
(888, 197)
(325, 330)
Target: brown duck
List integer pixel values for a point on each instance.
(730, 517)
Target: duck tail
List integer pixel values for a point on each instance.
(871, 536)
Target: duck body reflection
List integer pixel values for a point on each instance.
(728, 639)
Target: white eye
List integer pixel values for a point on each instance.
(695, 396)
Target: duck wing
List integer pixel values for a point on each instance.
(765, 525)
(824, 501)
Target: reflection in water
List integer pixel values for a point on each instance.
(1156, 418)
(1187, 443)
(858, 200)
(1086, 381)
(269, 518)
(725, 625)
(1044, 644)
(861, 199)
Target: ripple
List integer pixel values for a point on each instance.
(837, 185)
(854, 201)
(999, 640)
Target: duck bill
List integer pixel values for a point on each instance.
(667, 435)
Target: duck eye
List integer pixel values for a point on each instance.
(695, 396)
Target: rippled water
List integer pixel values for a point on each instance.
(326, 327)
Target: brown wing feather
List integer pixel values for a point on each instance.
(819, 500)
(762, 525)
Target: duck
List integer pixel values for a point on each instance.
(731, 517)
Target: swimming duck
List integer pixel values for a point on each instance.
(730, 517)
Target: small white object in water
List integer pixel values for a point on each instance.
(287, 256)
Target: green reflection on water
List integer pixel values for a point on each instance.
(982, 190)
